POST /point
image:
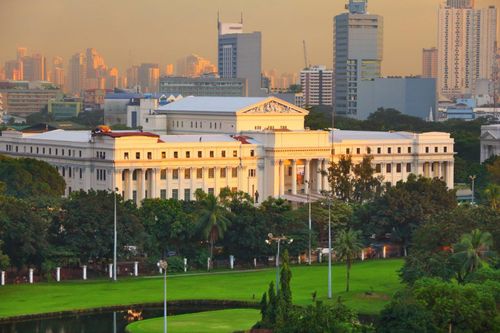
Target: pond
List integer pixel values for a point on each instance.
(102, 321)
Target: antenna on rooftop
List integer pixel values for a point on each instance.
(306, 63)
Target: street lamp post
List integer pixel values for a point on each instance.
(329, 249)
(115, 238)
(310, 221)
(278, 239)
(472, 178)
(164, 265)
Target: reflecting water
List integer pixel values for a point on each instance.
(101, 322)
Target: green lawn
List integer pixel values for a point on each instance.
(223, 321)
(376, 276)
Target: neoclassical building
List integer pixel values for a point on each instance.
(248, 144)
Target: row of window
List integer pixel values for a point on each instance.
(71, 172)
(399, 150)
(223, 173)
(187, 195)
(45, 151)
(187, 154)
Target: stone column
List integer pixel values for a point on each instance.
(439, 166)
(143, 184)
(136, 268)
(130, 184)
(84, 276)
(324, 177)
(58, 274)
(319, 176)
(181, 183)
(205, 178)
(294, 177)
(307, 175)
(168, 182)
(216, 183)
(154, 183)
(282, 178)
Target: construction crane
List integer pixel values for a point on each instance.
(306, 63)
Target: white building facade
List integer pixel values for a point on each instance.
(255, 157)
(490, 141)
(317, 85)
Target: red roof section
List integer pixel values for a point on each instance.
(242, 138)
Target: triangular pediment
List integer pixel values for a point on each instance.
(488, 136)
(273, 105)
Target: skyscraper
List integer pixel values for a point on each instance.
(240, 55)
(58, 71)
(149, 77)
(77, 73)
(429, 62)
(357, 55)
(316, 83)
(466, 47)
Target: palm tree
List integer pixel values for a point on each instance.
(492, 194)
(213, 221)
(472, 251)
(347, 245)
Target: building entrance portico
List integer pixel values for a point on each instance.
(302, 176)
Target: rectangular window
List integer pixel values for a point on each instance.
(223, 173)
(163, 174)
(378, 168)
(134, 196)
(163, 154)
(235, 153)
(187, 173)
(212, 153)
(175, 174)
(211, 173)
(199, 173)
(358, 151)
(163, 194)
(427, 149)
(389, 150)
(211, 191)
(408, 167)
(347, 151)
(398, 168)
(436, 149)
(234, 172)
(81, 173)
(200, 154)
(125, 156)
(188, 154)
(388, 168)
(175, 194)
(251, 172)
(223, 153)
(134, 175)
(368, 150)
(252, 153)
(379, 150)
(399, 150)
(80, 152)
(187, 194)
(176, 154)
(150, 155)
(137, 156)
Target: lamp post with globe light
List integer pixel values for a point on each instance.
(278, 240)
(164, 265)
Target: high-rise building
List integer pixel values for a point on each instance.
(194, 66)
(466, 47)
(240, 55)
(21, 53)
(132, 76)
(149, 77)
(77, 73)
(357, 56)
(169, 69)
(429, 62)
(39, 67)
(207, 85)
(57, 76)
(316, 83)
(14, 70)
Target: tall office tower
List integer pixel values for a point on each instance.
(149, 77)
(429, 62)
(39, 67)
(169, 69)
(240, 55)
(193, 66)
(57, 76)
(112, 78)
(21, 53)
(466, 47)
(77, 73)
(14, 70)
(357, 55)
(132, 76)
(460, 3)
(316, 83)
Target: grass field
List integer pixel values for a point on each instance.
(223, 321)
(379, 277)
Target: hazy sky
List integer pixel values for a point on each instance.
(134, 31)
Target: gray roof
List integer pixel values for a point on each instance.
(342, 135)
(212, 104)
(62, 135)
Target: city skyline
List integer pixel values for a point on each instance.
(283, 28)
